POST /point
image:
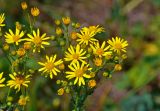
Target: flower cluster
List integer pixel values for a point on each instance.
(80, 62)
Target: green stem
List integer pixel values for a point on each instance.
(8, 94)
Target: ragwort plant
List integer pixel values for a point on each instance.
(83, 59)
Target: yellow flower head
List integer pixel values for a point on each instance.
(21, 52)
(92, 83)
(66, 20)
(24, 5)
(38, 40)
(2, 80)
(2, 18)
(117, 45)
(18, 26)
(27, 45)
(100, 50)
(73, 35)
(79, 72)
(35, 11)
(75, 54)
(59, 31)
(60, 91)
(50, 66)
(118, 67)
(96, 29)
(98, 62)
(18, 81)
(57, 22)
(14, 38)
(23, 100)
(86, 36)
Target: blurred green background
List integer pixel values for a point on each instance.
(137, 86)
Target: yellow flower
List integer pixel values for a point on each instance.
(78, 72)
(14, 38)
(100, 50)
(75, 54)
(21, 52)
(73, 35)
(27, 45)
(23, 100)
(95, 29)
(35, 11)
(77, 25)
(18, 26)
(18, 81)
(60, 91)
(118, 67)
(117, 45)
(66, 20)
(86, 36)
(2, 80)
(38, 40)
(57, 22)
(92, 83)
(98, 62)
(6, 47)
(59, 31)
(24, 5)
(62, 66)
(2, 18)
(50, 66)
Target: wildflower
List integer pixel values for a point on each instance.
(78, 72)
(92, 74)
(27, 45)
(24, 5)
(105, 74)
(21, 52)
(2, 80)
(98, 62)
(14, 38)
(18, 81)
(57, 22)
(2, 18)
(38, 40)
(35, 11)
(50, 65)
(86, 36)
(66, 20)
(108, 56)
(92, 83)
(96, 29)
(18, 26)
(62, 66)
(117, 45)
(118, 67)
(75, 54)
(73, 35)
(5, 47)
(124, 56)
(13, 52)
(23, 100)
(59, 31)
(77, 25)
(60, 91)
(100, 50)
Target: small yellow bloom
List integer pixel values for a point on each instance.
(124, 56)
(77, 25)
(100, 50)
(66, 20)
(57, 22)
(75, 54)
(6, 47)
(27, 45)
(18, 81)
(92, 83)
(59, 31)
(79, 72)
(38, 40)
(18, 26)
(60, 91)
(23, 100)
(96, 29)
(73, 35)
(24, 5)
(2, 18)
(21, 52)
(2, 80)
(98, 62)
(35, 11)
(14, 38)
(117, 45)
(62, 66)
(92, 74)
(118, 67)
(50, 66)
(108, 56)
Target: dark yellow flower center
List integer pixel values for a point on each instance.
(75, 56)
(49, 66)
(37, 40)
(86, 37)
(19, 80)
(79, 73)
(16, 38)
(99, 51)
(118, 45)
